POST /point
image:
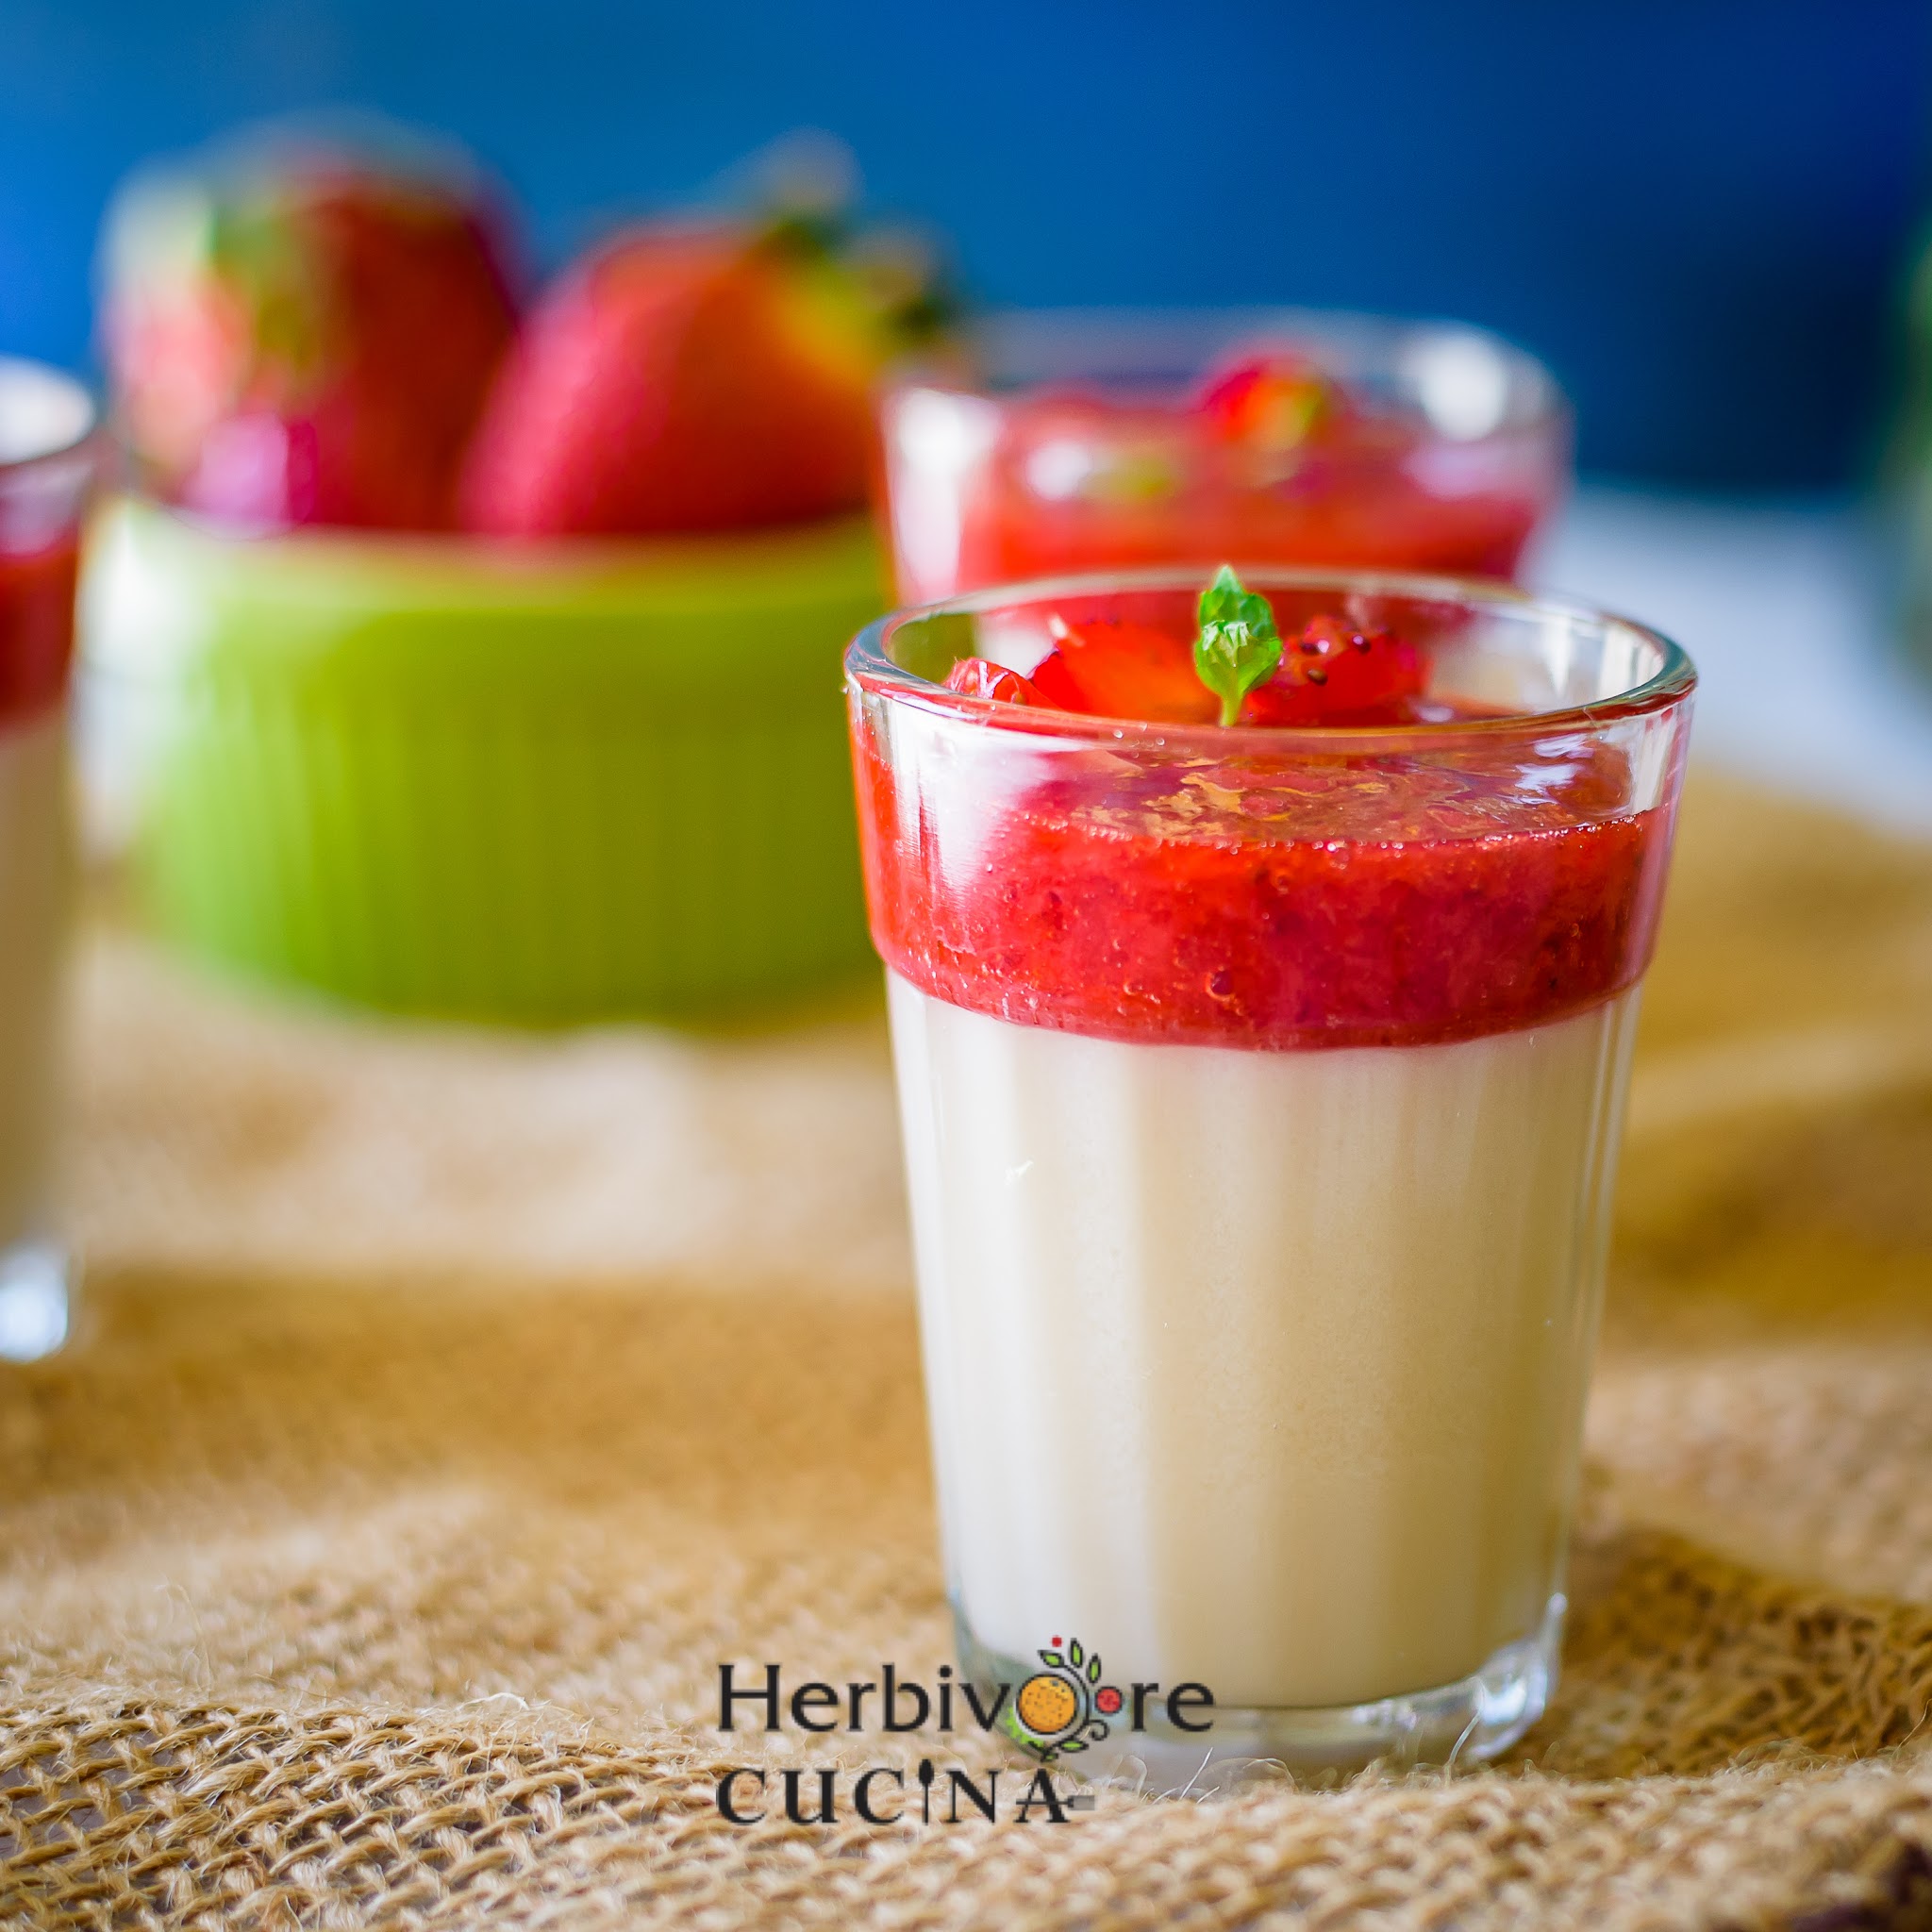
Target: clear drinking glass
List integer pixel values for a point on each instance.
(47, 461)
(1260, 1092)
(1081, 440)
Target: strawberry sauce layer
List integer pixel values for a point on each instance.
(1363, 520)
(1270, 460)
(36, 628)
(1266, 899)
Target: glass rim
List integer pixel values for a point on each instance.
(45, 375)
(870, 669)
(1547, 408)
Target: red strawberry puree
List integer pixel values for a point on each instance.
(1085, 446)
(1271, 894)
(36, 628)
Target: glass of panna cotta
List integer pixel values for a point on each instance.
(1260, 1085)
(1080, 439)
(47, 455)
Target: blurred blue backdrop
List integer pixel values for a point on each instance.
(1698, 211)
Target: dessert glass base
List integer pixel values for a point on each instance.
(36, 1299)
(1456, 1724)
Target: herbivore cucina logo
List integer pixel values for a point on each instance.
(1065, 1708)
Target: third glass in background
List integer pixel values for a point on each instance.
(47, 457)
(1077, 440)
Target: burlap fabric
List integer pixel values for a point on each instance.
(450, 1407)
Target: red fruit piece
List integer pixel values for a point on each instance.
(308, 338)
(1336, 674)
(678, 380)
(980, 678)
(1112, 668)
(1273, 403)
(1055, 683)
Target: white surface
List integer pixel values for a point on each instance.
(1263, 1370)
(1787, 610)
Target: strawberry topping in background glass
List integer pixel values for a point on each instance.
(1078, 440)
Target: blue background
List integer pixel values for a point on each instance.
(1700, 211)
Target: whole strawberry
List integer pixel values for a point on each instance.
(688, 380)
(305, 335)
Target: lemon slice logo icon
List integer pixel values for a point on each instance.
(1047, 1704)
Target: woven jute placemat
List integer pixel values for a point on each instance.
(448, 1408)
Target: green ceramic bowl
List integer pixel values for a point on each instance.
(584, 783)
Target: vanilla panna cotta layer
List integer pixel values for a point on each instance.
(1258, 1368)
(36, 881)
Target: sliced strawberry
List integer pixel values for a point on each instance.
(1331, 673)
(1112, 668)
(1055, 683)
(980, 677)
(1334, 674)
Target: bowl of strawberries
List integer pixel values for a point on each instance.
(477, 651)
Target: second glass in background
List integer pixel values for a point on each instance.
(1070, 441)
